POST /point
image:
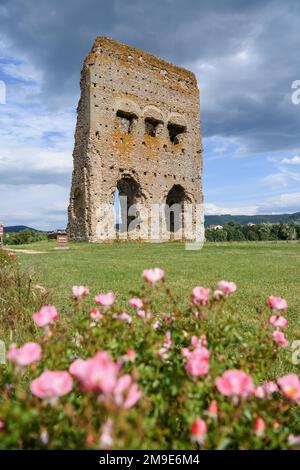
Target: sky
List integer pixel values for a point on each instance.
(245, 56)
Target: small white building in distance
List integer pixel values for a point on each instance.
(216, 227)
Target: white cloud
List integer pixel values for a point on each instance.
(21, 71)
(287, 202)
(214, 209)
(291, 161)
(276, 180)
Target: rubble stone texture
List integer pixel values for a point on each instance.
(138, 130)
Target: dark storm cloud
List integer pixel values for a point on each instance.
(244, 97)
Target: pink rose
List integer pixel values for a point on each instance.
(163, 352)
(96, 315)
(197, 363)
(280, 339)
(198, 431)
(266, 390)
(278, 321)
(135, 303)
(277, 303)
(235, 383)
(106, 439)
(123, 317)
(47, 315)
(154, 275)
(107, 300)
(293, 440)
(259, 426)
(218, 294)
(227, 287)
(290, 386)
(213, 409)
(141, 313)
(79, 292)
(200, 295)
(25, 355)
(52, 384)
(96, 374)
(131, 354)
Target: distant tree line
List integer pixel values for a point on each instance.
(233, 231)
(23, 237)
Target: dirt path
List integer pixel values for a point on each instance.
(28, 252)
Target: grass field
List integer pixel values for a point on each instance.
(259, 269)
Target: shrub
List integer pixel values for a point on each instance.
(149, 376)
(24, 237)
(19, 295)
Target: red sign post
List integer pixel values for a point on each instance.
(62, 241)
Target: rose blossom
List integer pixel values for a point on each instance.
(163, 352)
(130, 355)
(278, 321)
(198, 431)
(266, 390)
(154, 275)
(213, 409)
(218, 294)
(123, 317)
(135, 303)
(200, 295)
(106, 439)
(235, 383)
(105, 299)
(79, 292)
(227, 287)
(197, 363)
(96, 315)
(46, 315)
(25, 355)
(293, 440)
(280, 339)
(259, 426)
(141, 313)
(126, 392)
(290, 386)
(96, 374)
(52, 384)
(277, 303)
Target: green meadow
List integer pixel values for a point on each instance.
(259, 269)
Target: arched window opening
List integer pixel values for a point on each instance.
(151, 126)
(127, 194)
(175, 208)
(126, 121)
(175, 131)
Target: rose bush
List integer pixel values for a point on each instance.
(146, 377)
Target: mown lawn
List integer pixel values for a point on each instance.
(259, 269)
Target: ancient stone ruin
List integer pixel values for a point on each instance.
(138, 134)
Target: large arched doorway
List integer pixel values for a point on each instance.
(174, 210)
(127, 194)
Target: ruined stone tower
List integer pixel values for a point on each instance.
(138, 132)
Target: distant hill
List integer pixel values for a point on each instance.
(210, 220)
(255, 219)
(18, 228)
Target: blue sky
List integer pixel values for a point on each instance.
(245, 56)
